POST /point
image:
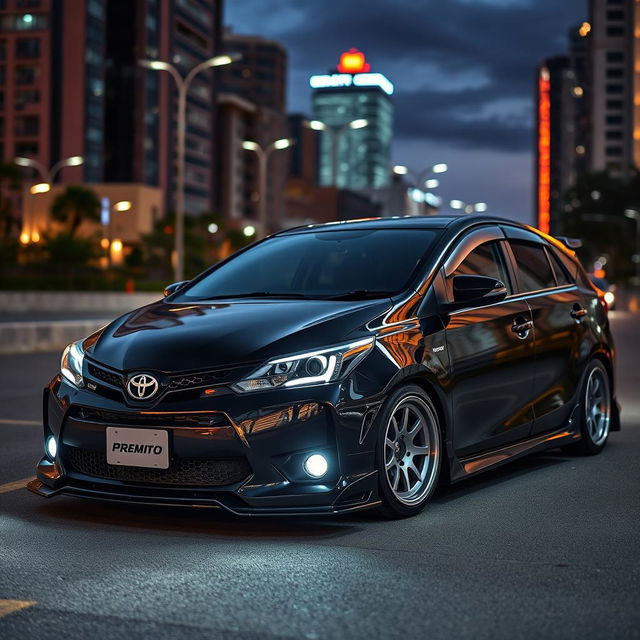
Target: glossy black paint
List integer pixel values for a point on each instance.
(503, 374)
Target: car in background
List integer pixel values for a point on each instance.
(609, 290)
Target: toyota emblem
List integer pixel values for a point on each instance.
(142, 386)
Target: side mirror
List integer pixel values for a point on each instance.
(172, 288)
(475, 291)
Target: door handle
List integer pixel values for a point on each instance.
(578, 312)
(521, 329)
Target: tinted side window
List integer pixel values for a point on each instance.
(484, 260)
(534, 269)
(561, 275)
(568, 263)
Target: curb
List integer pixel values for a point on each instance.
(30, 337)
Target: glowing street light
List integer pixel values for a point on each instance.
(249, 231)
(263, 153)
(123, 205)
(48, 175)
(420, 178)
(183, 83)
(41, 187)
(335, 132)
(478, 207)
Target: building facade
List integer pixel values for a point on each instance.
(613, 50)
(353, 158)
(72, 85)
(254, 90)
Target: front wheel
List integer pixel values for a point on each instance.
(409, 452)
(595, 410)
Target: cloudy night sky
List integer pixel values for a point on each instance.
(463, 72)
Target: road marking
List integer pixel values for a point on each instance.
(11, 606)
(14, 486)
(31, 423)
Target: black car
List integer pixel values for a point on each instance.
(331, 368)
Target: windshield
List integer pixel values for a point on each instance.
(326, 264)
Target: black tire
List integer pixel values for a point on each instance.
(416, 458)
(593, 438)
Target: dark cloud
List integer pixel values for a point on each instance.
(463, 71)
(431, 50)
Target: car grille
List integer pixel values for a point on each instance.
(109, 377)
(203, 419)
(216, 472)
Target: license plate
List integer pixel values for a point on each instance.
(138, 447)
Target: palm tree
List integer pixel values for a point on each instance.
(75, 205)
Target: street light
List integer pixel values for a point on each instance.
(48, 175)
(183, 83)
(335, 132)
(263, 154)
(634, 214)
(478, 207)
(420, 178)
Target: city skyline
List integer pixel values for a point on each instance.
(468, 102)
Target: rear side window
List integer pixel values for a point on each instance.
(534, 270)
(561, 275)
(568, 263)
(484, 260)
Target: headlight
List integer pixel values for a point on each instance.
(315, 367)
(609, 298)
(71, 363)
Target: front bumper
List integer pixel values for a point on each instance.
(273, 437)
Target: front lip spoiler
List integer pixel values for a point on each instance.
(39, 488)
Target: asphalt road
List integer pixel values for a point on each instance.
(548, 547)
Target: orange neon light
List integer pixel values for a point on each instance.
(353, 61)
(544, 152)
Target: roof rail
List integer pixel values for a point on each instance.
(570, 243)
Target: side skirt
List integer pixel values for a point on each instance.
(462, 468)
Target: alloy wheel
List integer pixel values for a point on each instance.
(598, 406)
(411, 450)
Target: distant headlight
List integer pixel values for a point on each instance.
(71, 363)
(316, 367)
(609, 298)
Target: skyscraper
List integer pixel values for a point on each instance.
(71, 85)
(360, 157)
(614, 65)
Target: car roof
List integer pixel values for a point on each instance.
(453, 220)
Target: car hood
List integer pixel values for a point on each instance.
(170, 337)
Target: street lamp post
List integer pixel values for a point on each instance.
(47, 177)
(478, 207)
(334, 133)
(634, 214)
(264, 153)
(420, 177)
(183, 84)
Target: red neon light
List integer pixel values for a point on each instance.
(353, 61)
(544, 151)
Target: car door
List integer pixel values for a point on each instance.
(490, 351)
(559, 327)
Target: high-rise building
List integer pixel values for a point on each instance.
(614, 78)
(556, 150)
(359, 157)
(71, 85)
(258, 81)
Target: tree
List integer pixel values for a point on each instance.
(75, 205)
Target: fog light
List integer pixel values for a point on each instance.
(51, 447)
(316, 465)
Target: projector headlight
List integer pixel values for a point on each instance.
(71, 363)
(316, 367)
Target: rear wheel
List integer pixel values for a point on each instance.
(409, 452)
(595, 410)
